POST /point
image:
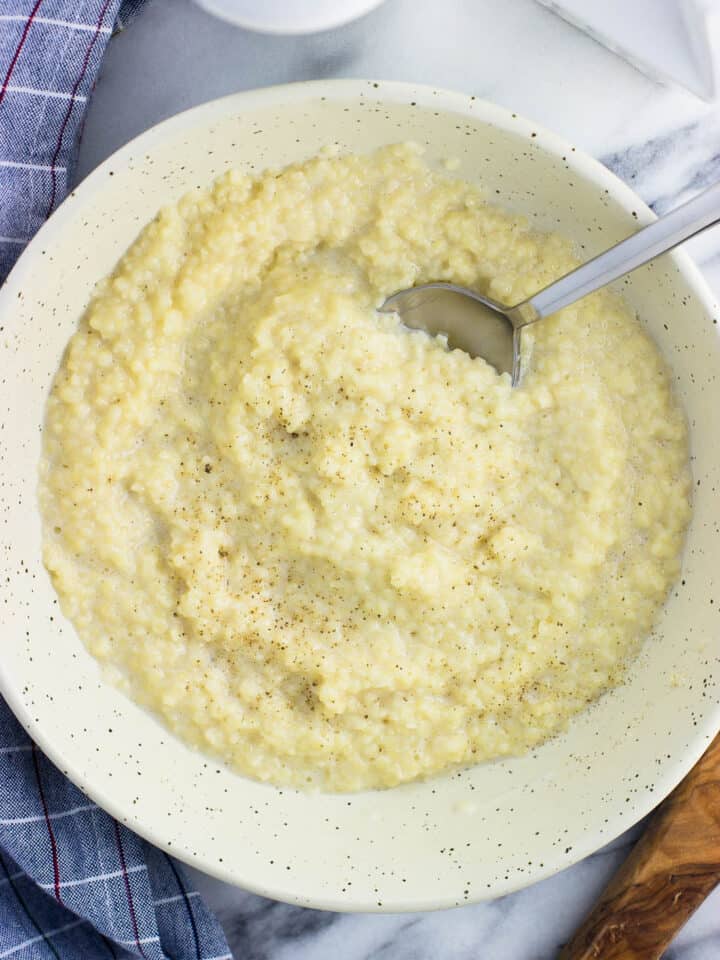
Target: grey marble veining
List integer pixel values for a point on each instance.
(671, 167)
(662, 141)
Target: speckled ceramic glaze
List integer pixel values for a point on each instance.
(475, 834)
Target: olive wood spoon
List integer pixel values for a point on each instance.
(671, 870)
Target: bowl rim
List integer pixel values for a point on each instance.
(355, 89)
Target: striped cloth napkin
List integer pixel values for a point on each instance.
(50, 55)
(74, 883)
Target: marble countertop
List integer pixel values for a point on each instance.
(662, 141)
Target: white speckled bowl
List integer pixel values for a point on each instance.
(472, 835)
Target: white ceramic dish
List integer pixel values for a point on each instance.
(286, 17)
(476, 834)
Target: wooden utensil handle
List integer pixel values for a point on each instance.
(671, 870)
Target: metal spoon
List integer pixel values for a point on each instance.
(484, 328)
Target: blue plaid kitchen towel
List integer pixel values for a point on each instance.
(50, 54)
(74, 884)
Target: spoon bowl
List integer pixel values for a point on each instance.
(469, 321)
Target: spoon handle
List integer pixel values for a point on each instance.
(698, 214)
(672, 868)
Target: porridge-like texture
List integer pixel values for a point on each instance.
(328, 550)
